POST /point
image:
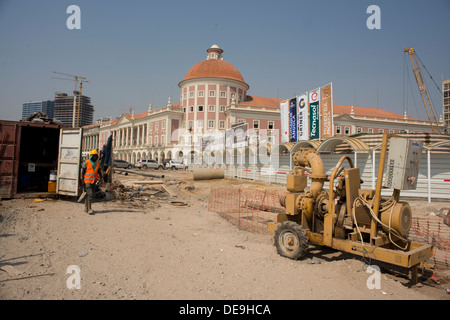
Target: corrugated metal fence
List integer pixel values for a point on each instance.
(433, 181)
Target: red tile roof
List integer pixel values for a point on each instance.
(368, 112)
(262, 102)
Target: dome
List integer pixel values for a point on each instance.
(214, 69)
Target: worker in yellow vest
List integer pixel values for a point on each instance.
(90, 175)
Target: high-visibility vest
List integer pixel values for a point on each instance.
(91, 175)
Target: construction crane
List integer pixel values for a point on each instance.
(76, 79)
(422, 89)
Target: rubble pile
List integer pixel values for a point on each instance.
(137, 195)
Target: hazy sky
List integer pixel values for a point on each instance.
(136, 52)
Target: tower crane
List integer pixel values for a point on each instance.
(76, 79)
(422, 89)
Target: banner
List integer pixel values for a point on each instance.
(284, 121)
(302, 118)
(293, 120)
(314, 114)
(326, 106)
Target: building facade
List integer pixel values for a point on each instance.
(28, 108)
(71, 112)
(446, 103)
(213, 99)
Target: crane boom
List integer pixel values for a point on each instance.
(76, 79)
(422, 89)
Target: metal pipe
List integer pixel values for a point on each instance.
(377, 197)
(140, 173)
(318, 176)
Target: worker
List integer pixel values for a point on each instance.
(90, 176)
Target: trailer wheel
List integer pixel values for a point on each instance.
(291, 240)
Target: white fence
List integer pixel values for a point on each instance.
(433, 181)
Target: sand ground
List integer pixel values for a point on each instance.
(151, 249)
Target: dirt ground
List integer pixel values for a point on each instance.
(152, 249)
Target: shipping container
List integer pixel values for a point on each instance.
(29, 158)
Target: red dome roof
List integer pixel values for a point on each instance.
(214, 69)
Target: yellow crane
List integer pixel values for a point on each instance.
(422, 89)
(77, 79)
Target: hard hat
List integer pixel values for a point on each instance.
(93, 151)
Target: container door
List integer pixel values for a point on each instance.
(9, 159)
(69, 162)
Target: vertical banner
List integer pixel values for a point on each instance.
(326, 106)
(302, 117)
(314, 114)
(284, 119)
(293, 120)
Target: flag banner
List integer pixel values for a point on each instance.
(293, 120)
(326, 107)
(314, 114)
(302, 118)
(284, 121)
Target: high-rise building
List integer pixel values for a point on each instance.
(446, 103)
(28, 108)
(66, 110)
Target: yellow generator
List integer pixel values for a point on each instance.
(348, 218)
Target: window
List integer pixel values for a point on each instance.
(347, 130)
(199, 124)
(191, 108)
(222, 124)
(150, 126)
(255, 124)
(185, 95)
(338, 130)
(359, 129)
(163, 140)
(270, 126)
(191, 124)
(370, 130)
(381, 131)
(163, 124)
(200, 108)
(241, 121)
(391, 131)
(211, 108)
(156, 125)
(212, 93)
(211, 124)
(223, 94)
(240, 97)
(222, 108)
(191, 94)
(201, 93)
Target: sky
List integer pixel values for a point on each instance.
(136, 52)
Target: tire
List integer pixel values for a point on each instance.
(291, 240)
(130, 166)
(173, 168)
(144, 167)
